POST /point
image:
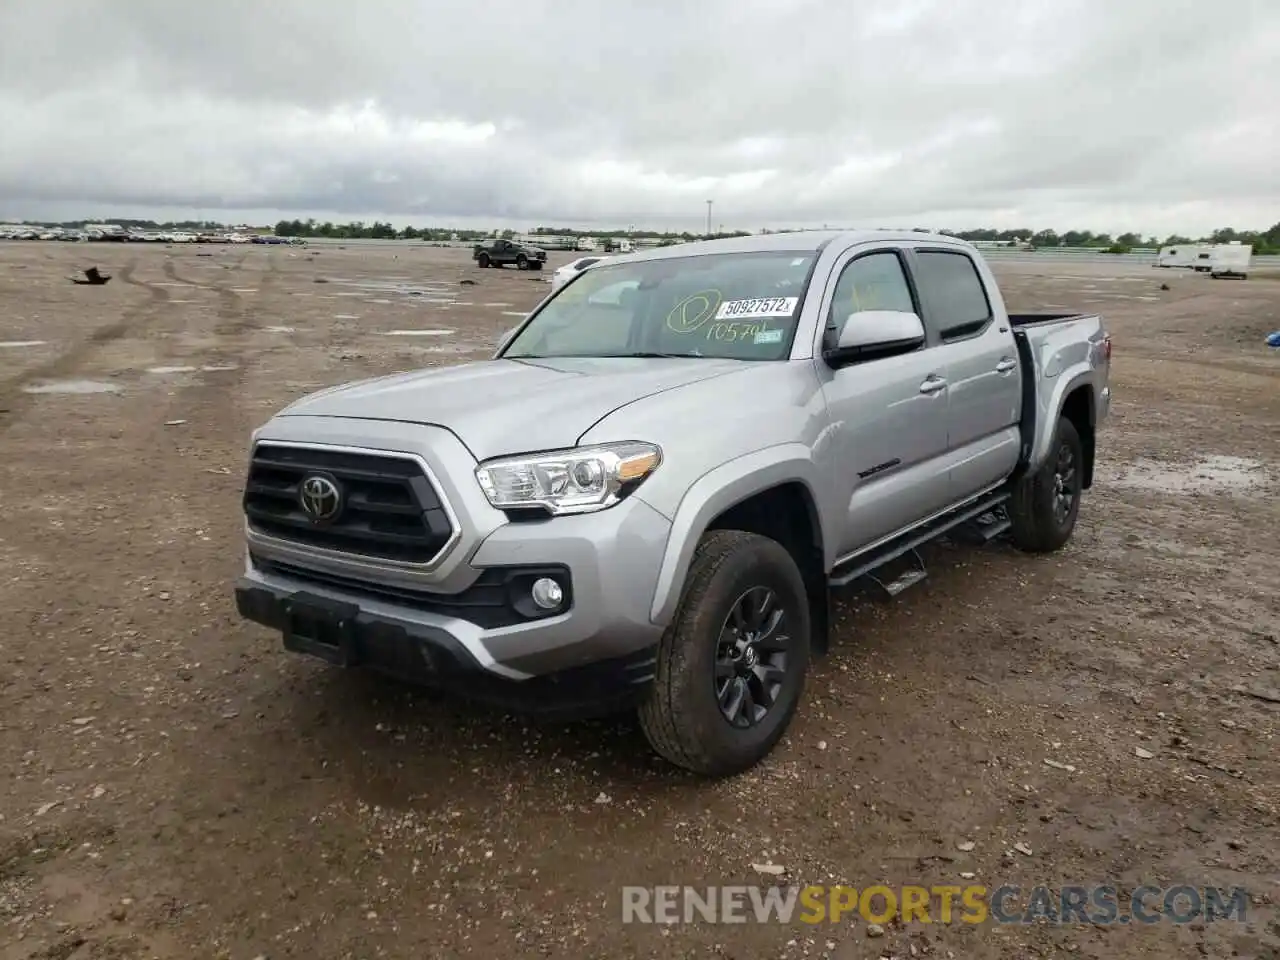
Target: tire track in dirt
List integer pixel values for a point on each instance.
(13, 402)
(214, 395)
(232, 314)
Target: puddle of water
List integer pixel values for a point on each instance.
(71, 386)
(453, 348)
(345, 316)
(497, 304)
(181, 301)
(15, 344)
(171, 370)
(1215, 474)
(399, 285)
(377, 301)
(244, 289)
(418, 333)
(279, 329)
(1102, 279)
(220, 367)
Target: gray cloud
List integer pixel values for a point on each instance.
(1141, 115)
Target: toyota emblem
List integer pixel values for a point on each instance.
(320, 498)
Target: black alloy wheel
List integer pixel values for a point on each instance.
(751, 657)
(1065, 485)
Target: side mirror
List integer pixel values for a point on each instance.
(872, 334)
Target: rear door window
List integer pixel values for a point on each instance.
(953, 293)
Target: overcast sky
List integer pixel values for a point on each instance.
(1108, 115)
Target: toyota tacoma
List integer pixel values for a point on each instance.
(642, 500)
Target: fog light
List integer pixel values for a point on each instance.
(547, 594)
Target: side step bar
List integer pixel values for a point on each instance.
(984, 528)
(863, 564)
(908, 578)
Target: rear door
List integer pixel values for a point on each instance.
(963, 304)
(888, 422)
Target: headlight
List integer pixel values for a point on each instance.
(581, 480)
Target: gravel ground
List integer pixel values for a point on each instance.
(176, 785)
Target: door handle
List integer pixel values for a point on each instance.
(1005, 365)
(932, 384)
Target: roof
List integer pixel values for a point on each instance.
(799, 241)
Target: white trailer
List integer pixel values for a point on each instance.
(1184, 255)
(1231, 260)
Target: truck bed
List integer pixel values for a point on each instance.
(1032, 319)
(1048, 344)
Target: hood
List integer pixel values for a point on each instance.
(499, 407)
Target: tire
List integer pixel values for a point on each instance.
(1040, 524)
(682, 717)
(483, 260)
(522, 262)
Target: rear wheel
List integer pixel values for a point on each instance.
(732, 665)
(483, 260)
(1045, 504)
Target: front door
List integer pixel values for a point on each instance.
(888, 416)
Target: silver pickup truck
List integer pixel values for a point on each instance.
(642, 500)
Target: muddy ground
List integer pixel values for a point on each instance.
(177, 786)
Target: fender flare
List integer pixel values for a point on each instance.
(1075, 376)
(718, 490)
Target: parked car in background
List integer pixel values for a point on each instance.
(570, 270)
(498, 253)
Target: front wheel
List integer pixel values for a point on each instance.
(732, 665)
(522, 262)
(1045, 504)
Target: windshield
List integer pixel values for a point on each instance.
(732, 305)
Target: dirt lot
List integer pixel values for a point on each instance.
(177, 786)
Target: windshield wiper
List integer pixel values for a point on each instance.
(639, 354)
(650, 355)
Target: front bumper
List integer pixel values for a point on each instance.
(409, 649)
(426, 624)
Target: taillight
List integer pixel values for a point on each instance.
(1106, 348)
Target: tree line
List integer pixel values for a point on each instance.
(1263, 241)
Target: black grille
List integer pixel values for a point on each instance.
(389, 508)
